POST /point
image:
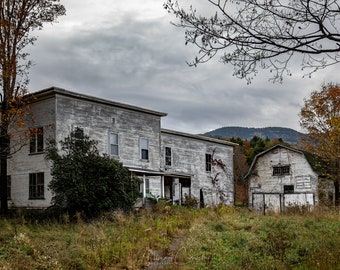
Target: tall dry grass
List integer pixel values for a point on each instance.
(215, 238)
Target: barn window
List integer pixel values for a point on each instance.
(288, 188)
(208, 162)
(281, 170)
(167, 156)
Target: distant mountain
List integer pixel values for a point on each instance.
(286, 134)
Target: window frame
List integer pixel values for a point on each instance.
(36, 144)
(167, 156)
(36, 190)
(208, 162)
(114, 145)
(281, 170)
(144, 152)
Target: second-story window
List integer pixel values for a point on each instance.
(114, 144)
(281, 170)
(208, 162)
(168, 156)
(37, 140)
(144, 148)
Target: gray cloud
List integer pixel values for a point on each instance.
(139, 58)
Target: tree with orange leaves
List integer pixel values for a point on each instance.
(320, 117)
(18, 18)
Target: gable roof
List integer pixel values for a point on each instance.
(268, 150)
(54, 91)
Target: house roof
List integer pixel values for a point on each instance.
(54, 91)
(197, 137)
(268, 150)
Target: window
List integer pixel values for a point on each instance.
(208, 162)
(36, 186)
(78, 133)
(9, 182)
(281, 170)
(113, 144)
(167, 156)
(37, 140)
(144, 146)
(288, 188)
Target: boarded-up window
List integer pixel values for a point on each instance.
(303, 182)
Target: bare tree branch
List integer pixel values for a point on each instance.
(266, 34)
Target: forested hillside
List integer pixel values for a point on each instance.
(286, 134)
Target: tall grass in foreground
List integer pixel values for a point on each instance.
(241, 240)
(219, 238)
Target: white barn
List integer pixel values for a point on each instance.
(281, 177)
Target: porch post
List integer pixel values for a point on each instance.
(144, 190)
(162, 186)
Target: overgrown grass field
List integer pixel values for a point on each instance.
(174, 238)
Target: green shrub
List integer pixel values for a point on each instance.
(84, 181)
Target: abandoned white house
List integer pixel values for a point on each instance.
(279, 177)
(171, 164)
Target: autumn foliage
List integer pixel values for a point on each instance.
(320, 117)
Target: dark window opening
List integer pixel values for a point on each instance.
(208, 162)
(78, 133)
(167, 156)
(281, 170)
(36, 186)
(288, 188)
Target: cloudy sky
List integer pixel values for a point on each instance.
(129, 52)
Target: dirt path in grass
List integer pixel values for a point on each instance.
(169, 260)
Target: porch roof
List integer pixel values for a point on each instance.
(145, 171)
(150, 172)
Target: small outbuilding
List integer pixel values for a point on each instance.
(281, 177)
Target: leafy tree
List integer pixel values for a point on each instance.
(18, 18)
(320, 116)
(84, 181)
(266, 34)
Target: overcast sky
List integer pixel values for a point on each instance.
(129, 52)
